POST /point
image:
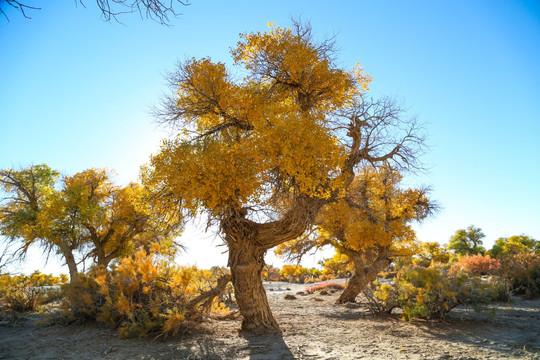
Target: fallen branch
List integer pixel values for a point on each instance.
(204, 300)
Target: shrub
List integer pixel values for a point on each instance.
(425, 292)
(26, 292)
(270, 273)
(432, 292)
(325, 286)
(381, 297)
(523, 272)
(143, 294)
(476, 264)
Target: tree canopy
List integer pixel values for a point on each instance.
(504, 247)
(261, 151)
(467, 241)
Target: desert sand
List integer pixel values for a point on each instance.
(313, 328)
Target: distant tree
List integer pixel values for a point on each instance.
(339, 265)
(270, 273)
(431, 252)
(157, 10)
(27, 194)
(261, 154)
(84, 214)
(517, 244)
(467, 241)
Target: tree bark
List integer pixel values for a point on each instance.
(248, 242)
(365, 272)
(246, 263)
(72, 265)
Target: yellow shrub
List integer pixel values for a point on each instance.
(145, 293)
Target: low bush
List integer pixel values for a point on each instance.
(381, 297)
(144, 294)
(325, 286)
(431, 292)
(523, 273)
(476, 264)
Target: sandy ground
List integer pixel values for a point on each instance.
(313, 328)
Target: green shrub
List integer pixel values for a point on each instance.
(432, 292)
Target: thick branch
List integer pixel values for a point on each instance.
(205, 299)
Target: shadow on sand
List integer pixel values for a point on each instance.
(255, 347)
(265, 347)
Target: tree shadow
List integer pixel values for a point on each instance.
(266, 347)
(203, 349)
(255, 347)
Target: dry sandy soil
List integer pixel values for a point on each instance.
(313, 328)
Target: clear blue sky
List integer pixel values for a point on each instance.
(75, 92)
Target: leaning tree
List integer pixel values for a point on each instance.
(370, 225)
(261, 151)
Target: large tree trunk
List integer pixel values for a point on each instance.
(246, 262)
(248, 241)
(365, 272)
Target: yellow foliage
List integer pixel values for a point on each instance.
(26, 292)
(379, 215)
(218, 307)
(338, 265)
(273, 130)
(144, 293)
(372, 219)
(173, 321)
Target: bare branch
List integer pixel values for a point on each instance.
(379, 131)
(18, 6)
(157, 10)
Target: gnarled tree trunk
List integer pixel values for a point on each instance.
(246, 263)
(248, 242)
(366, 268)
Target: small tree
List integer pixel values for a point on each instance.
(467, 242)
(262, 155)
(84, 214)
(29, 197)
(338, 265)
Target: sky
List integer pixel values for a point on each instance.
(76, 93)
